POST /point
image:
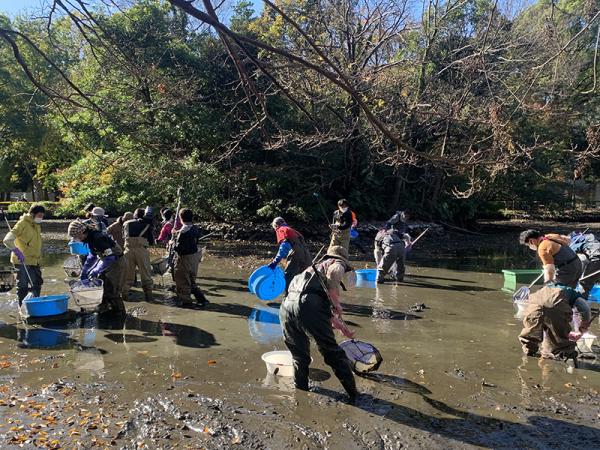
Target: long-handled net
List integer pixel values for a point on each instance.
(363, 356)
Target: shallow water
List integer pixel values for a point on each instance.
(453, 375)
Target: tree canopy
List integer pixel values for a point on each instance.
(442, 108)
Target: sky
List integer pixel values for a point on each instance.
(13, 7)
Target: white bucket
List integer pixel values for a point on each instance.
(279, 363)
(87, 297)
(585, 342)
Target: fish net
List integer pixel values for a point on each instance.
(522, 295)
(363, 356)
(72, 266)
(160, 266)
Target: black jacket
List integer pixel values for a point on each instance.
(100, 242)
(135, 227)
(187, 242)
(344, 220)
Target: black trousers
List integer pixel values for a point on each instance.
(311, 316)
(23, 283)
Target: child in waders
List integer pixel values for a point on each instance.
(187, 260)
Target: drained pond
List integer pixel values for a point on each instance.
(453, 375)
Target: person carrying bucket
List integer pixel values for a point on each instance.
(340, 228)
(312, 308)
(561, 264)
(186, 262)
(291, 247)
(547, 322)
(25, 243)
(105, 262)
(138, 237)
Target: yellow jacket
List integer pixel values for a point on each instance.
(29, 240)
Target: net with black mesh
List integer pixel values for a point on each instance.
(72, 266)
(363, 356)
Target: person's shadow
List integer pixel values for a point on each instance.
(469, 428)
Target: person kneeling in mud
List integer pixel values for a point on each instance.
(312, 308)
(187, 260)
(390, 253)
(550, 311)
(105, 262)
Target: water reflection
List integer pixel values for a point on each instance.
(263, 324)
(45, 338)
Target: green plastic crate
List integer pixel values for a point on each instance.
(514, 277)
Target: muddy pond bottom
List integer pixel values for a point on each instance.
(453, 375)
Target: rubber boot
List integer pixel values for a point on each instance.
(148, 296)
(349, 385)
(200, 297)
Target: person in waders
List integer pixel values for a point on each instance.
(311, 308)
(340, 227)
(587, 247)
(25, 243)
(187, 260)
(115, 230)
(561, 264)
(96, 218)
(139, 236)
(547, 322)
(291, 247)
(390, 253)
(105, 262)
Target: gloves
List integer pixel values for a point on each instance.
(19, 254)
(102, 266)
(549, 272)
(584, 326)
(90, 261)
(273, 264)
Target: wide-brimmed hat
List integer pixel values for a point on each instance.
(97, 211)
(339, 252)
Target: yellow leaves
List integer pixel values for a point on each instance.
(5, 364)
(176, 376)
(212, 362)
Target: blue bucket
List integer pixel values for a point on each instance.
(49, 305)
(366, 274)
(353, 233)
(79, 248)
(594, 294)
(267, 283)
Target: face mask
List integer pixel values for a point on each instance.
(344, 209)
(38, 220)
(532, 247)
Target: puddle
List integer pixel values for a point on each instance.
(452, 377)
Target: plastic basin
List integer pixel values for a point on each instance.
(267, 283)
(279, 362)
(49, 305)
(366, 274)
(585, 342)
(514, 277)
(79, 248)
(353, 233)
(594, 294)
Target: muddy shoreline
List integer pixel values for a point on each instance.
(452, 377)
